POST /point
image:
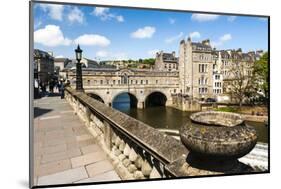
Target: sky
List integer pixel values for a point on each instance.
(121, 33)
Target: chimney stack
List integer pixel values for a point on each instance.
(206, 42)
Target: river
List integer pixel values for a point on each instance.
(170, 118)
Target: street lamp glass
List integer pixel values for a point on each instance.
(78, 53)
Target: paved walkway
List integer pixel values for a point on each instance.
(64, 151)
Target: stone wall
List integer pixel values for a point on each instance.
(134, 154)
(185, 104)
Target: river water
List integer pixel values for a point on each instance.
(170, 118)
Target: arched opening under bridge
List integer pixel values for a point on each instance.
(124, 101)
(155, 99)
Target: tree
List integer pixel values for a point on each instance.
(261, 75)
(241, 83)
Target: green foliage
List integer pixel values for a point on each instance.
(150, 61)
(227, 109)
(261, 73)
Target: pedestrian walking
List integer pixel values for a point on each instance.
(62, 90)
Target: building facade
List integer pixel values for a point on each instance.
(198, 74)
(43, 65)
(196, 69)
(166, 61)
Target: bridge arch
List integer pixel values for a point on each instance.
(155, 98)
(120, 97)
(96, 97)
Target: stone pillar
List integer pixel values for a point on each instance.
(169, 102)
(141, 105)
(107, 135)
(87, 116)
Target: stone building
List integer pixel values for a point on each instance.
(43, 65)
(237, 70)
(219, 59)
(166, 61)
(142, 85)
(88, 63)
(196, 69)
(200, 72)
(60, 64)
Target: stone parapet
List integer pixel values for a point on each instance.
(136, 150)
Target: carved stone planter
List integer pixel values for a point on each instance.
(218, 135)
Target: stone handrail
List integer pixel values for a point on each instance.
(137, 150)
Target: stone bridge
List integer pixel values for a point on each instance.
(144, 87)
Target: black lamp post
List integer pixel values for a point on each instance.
(79, 80)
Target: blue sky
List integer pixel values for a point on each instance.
(122, 33)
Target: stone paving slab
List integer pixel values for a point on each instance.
(54, 167)
(84, 137)
(107, 176)
(90, 148)
(61, 155)
(64, 177)
(88, 159)
(63, 146)
(99, 167)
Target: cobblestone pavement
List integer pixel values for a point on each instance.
(64, 151)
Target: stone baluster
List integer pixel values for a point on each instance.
(107, 135)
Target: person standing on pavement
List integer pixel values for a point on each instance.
(62, 90)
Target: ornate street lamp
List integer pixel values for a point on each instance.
(79, 80)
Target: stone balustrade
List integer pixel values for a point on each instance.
(136, 150)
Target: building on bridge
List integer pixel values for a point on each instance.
(145, 87)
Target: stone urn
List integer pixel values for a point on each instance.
(218, 135)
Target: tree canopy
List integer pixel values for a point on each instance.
(261, 71)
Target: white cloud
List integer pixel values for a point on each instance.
(195, 35)
(54, 11)
(120, 18)
(75, 15)
(59, 56)
(172, 21)
(102, 54)
(222, 40)
(145, 32)
(100, 11)
(231, 18)
(174, 38)
(204, 17)
(104, 14)
(51, 36)
(92, 40)
(153, 52)
(226, 37)
(111, 55)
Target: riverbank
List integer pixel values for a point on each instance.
(263, 119)
(248, 113)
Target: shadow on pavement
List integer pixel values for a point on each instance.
(54, 94)
(40, 111)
